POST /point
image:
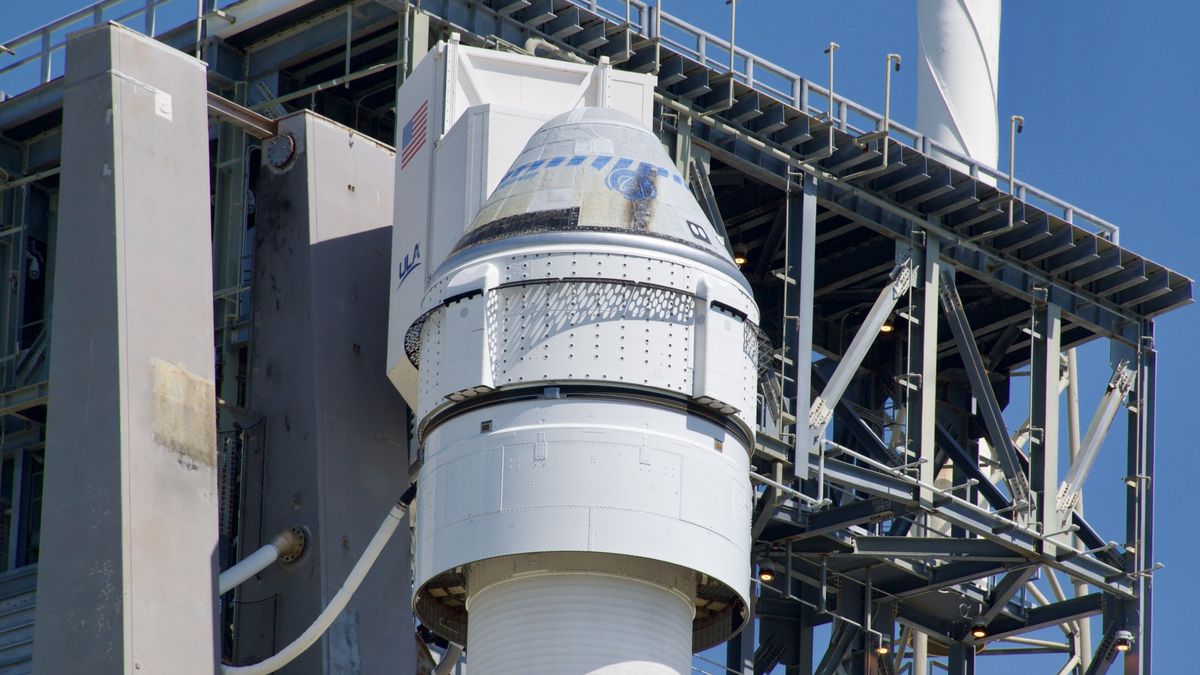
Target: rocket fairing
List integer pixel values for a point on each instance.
(587, 362)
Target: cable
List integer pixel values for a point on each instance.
(314, 632)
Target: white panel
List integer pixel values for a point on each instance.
(590, 487)
(411, 266)
(579, 623)
(519, 92)
(470, 486)
(551, 86)
(534, 473)
(701, 503)
(464, 345)
(720, 363)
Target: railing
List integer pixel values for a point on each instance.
(851, 117)
(35, 58)
(40, 47)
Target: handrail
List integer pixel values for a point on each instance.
(753, 71)
(803, 94)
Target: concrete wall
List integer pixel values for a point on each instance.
(336, 443)
(129, 523)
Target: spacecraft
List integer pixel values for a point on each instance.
(587, 359)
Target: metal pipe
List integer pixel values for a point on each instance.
(349, 30)
(248, 567)
(920, 653)
(1016, 126)
(780, 486)
(199, 24)
(831, 114)
(1034, 642)
(403, 46)
(449, 659)
(732, 26)
(301, 93)
(882, 133)
(1055, 586)
(1071, 663)
(30, 178)
(383, 535)
(1084, 636)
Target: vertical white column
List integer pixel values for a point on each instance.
(957, 79)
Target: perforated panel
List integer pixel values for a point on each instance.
(593, 331)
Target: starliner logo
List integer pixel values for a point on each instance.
(409, 264)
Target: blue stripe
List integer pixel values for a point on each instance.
(600, 161)
(622, 163)
(577, 160)
(555, 161)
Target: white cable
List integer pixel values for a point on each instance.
(386, 529)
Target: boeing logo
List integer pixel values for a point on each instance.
(409, 264)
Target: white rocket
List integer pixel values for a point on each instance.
(587, 368)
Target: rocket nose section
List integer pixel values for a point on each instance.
(594, 169)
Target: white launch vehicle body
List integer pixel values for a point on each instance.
(588, 370)
(957, 81)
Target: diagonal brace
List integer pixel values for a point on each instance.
(1005, 589)
(981, 386)
(1118, 387)
(903, 276)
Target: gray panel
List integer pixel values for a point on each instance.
(130, 454)
(337, 441)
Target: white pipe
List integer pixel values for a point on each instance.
(290, 542)
(920, 653)
(386, 529)
(446, 665)
(248, 567)
(1085, 624)
(959, 59)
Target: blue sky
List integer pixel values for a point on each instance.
(1106, 89)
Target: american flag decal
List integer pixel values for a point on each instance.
(412, 137)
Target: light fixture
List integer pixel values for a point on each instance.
(740, 255)
(887, 327)
(979, 631)
(766, 574)
(882, 650)
(1123, 640)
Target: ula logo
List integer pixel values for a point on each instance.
(409, 264)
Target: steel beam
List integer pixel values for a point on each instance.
(1139, 506)
(944, 576)
(866, 480)
(935, 548)
(1044, 379)
(1005, 589)
(1118, 387)
(854, 513)
(800, 244)
(1071, 609)
(824, 404)
(966, 463)
(247, 120)
(921, 380)
(981, 385)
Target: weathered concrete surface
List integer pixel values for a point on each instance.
(129, 524)
(336, 448)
